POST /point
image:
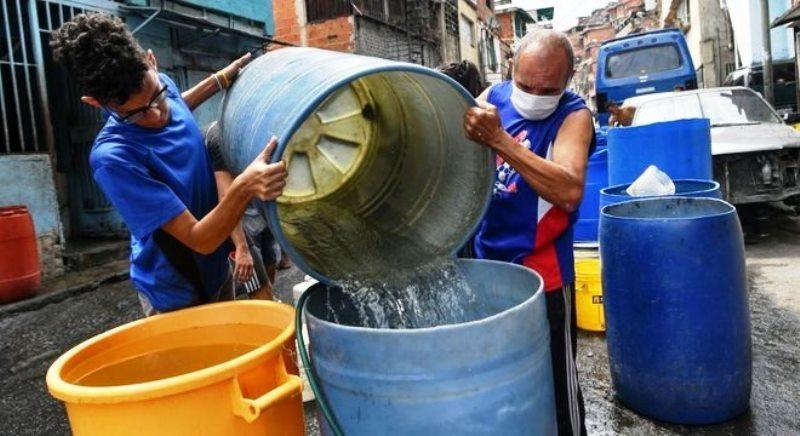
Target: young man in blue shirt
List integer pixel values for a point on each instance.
(150, 161)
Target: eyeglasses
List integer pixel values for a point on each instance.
(138, 113)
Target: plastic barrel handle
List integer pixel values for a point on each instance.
(250, 409)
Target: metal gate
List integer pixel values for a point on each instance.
(75, 125)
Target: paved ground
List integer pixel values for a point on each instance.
(33, 337)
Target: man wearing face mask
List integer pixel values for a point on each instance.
(543, 135)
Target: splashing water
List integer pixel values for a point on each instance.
(431, 295)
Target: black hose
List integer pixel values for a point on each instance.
(312, 381)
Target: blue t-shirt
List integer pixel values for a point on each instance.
(152, 176)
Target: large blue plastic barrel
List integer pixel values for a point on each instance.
(381, 175)
(486, 376)
(681, 148)
(585, 229)
(677, 315)
(683, 188)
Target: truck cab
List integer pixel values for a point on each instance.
(639, 64)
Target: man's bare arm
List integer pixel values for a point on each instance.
(207, 87)
(201, 92)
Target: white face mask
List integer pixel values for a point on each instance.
(531, 106)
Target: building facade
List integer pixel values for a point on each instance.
(514, 21)
(47, 132)
(421, 32)
(469, 31)
(707, 28)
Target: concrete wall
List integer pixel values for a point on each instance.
(708, 36)
(27, 179)
(716, 54)
(258, 10)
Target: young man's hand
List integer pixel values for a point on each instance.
(262, 179)
(243, 269)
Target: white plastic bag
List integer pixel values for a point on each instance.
(652, 182)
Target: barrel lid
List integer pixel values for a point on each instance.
(329, 146)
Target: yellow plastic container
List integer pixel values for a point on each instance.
(217, 369)
(589, 295)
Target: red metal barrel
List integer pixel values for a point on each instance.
(20, 272)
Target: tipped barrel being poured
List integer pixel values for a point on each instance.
(381, 176)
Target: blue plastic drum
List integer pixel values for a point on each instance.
(585, 229)
(681, 148)
(677, 315)
(683, 188)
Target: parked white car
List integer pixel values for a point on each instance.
(756, 156)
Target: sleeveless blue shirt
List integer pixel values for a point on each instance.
(519, 226)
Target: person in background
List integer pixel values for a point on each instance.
(255, 246)
(150, 160)
(466, 74)
(543, 135)
(620, 116)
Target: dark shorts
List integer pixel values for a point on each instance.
(264, 243)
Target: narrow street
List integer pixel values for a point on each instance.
(31, 340)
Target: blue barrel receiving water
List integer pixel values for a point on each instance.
(484, 376)
(681, 148)
(585, 229)
(683, 188)
(677, 315)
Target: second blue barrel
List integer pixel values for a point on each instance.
(677, 314)
(681, 148)
(589, 212)
(486, 376)
(683, 188)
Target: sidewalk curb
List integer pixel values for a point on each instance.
(40, 301)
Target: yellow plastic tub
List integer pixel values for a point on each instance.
(217, 369)
(589, 295)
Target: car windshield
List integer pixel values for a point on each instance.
(735, 107)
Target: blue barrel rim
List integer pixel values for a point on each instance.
(730, 209)
(271, 208)
(713, 186)
(619, 130)
(540, 293)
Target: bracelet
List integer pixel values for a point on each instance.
(219, 84)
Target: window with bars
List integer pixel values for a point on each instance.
(22, 128)
(321, 10)
(390, 11)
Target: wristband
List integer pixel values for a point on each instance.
(219, 84)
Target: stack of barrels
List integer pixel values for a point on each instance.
(673, 275)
